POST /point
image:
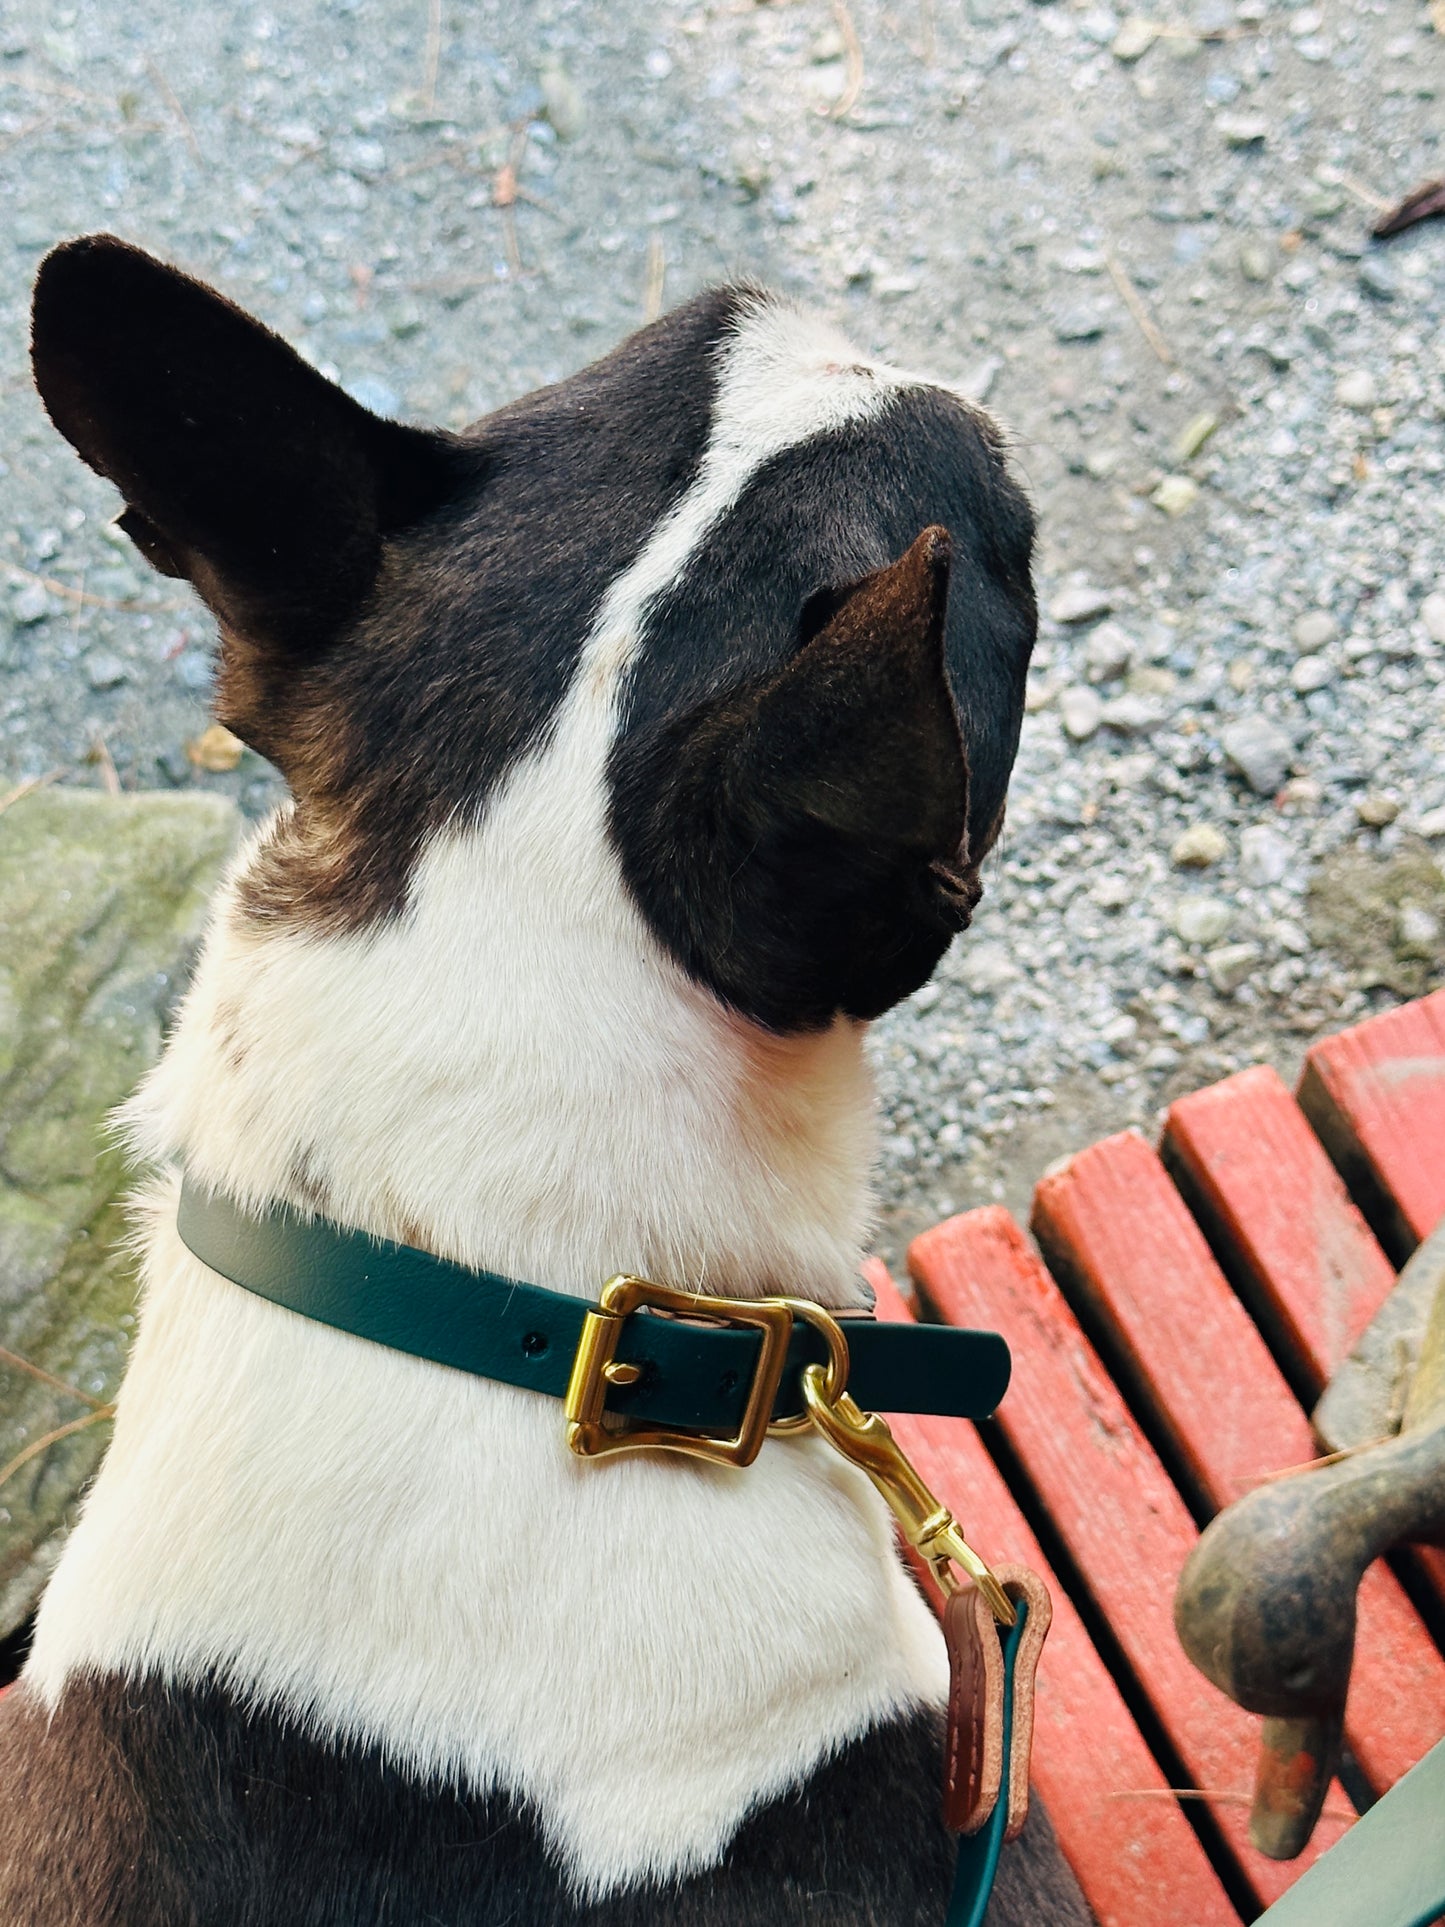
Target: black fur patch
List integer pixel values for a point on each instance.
(402, 611)
(142, 1806)
(757, 896)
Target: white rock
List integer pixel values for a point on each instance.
(1108, 652)
(1264, 856)
(1176, 494)
(1198, 847)
(1432, 614)
(1432, 823)
(1314, 630)
(1201, 919)
(1290, 936)
(1134, 39)
(1357, 390)
(1230, 964)
(1310, 673)
(1078, 602)
(987, 967)
(1418, 927)
(1260, 750)
(1082, 712)
(1243, 130)
(1112, 892)
(30, 604)
(1131, 715)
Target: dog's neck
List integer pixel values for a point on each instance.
(514, 1075)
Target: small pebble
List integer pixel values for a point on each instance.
(1432, 823)
(1418, 928)
(1108, 652)
(1311, 673)
(1198, 847)
(1080, 603)
(1201, 919)
(193, 669)
(1130, 715)
(1375, 810)
(105, 670)
(1134, 39)
(1256, 261)
(1260, 751)
(1358, 390)
(1432, 614)
(1264, 856)
(30, 604)
(1176, 494)
(1081, 711)
(1377, 280)
(1078, 324)
(1243, 130)
(1314, 630)
(1230, 964)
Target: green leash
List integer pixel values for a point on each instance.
(1387, 1871)
(978, 1853)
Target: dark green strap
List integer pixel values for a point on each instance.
(978, 1852)
(693, 1376)
(1388, 1870)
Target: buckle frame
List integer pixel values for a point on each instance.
(596, 1366)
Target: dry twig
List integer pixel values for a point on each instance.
(68, 594)
(19, 1364)
(100, 755)
(656, 275)
(853, 47)
(433, 54)
(39, 1445)
(168, 95)
(28, 787)
(1134, 302)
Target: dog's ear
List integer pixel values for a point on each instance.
(242, 467)
(803, 848)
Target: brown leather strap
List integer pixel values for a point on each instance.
(973, 1750)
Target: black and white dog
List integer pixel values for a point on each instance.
(640, 752)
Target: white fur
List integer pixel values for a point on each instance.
(515, 1075)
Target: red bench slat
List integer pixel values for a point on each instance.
(1137, 1859)
(1294, 1247)
(1376, 1096)
(1125, 1527)
(1120, 1240)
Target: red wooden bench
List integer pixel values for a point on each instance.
(1187, 1308)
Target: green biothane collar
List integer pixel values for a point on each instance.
(693, 1377)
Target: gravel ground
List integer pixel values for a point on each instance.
(1143, 240)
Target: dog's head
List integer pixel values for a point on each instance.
(774, 597)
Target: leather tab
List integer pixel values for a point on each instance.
(975, 1744)
(973, 1749)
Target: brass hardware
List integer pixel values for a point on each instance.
(927, 1524)
(596, 1367)
(863, 1438)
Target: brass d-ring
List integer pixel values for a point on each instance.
(835, 1368)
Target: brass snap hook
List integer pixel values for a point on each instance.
(929, 1527)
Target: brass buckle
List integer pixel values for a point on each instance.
(597, 1366)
